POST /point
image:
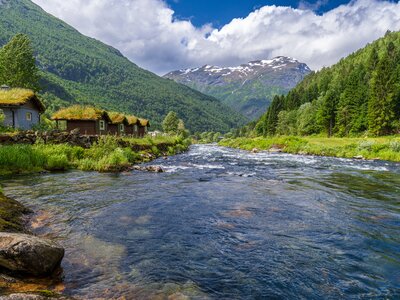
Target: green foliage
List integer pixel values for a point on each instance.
(17, 64)
(2, 117)
(360, 94)
(105, 156)
(79, 70)
(286, 122)
(171, 123)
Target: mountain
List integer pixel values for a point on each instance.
(248, 88)
(358, 95)
(79, 69)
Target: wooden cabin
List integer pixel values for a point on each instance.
(133, 126)
(143, 127)
(89, 120)
(21, 107)
(118, 123)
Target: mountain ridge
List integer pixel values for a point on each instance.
(247, 88)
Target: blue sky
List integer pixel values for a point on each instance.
(166, 35)
(221, 12)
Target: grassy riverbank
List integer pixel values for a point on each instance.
(384, 148)
(108, 155)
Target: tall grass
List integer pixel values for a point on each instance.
(104, 156)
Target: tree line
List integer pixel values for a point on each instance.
(360, 94)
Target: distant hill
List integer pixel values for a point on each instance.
(79, 69)
(360, 94)
(248, 88)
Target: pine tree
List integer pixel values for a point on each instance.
(381, 103)
(17, 64)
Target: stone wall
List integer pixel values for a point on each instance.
(51, 137)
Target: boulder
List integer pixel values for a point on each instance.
(29, 254)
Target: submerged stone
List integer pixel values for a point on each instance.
(29, 254)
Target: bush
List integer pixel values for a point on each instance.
(365, 145)
(395, 145)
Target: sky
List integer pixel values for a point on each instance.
(166, 35)
(221, 12)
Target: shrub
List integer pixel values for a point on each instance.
(365, 145)
(395, 145)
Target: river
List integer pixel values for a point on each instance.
(224, 224)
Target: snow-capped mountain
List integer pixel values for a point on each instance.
(248, 88)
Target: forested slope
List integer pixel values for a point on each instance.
(360, 94)
(79, 69)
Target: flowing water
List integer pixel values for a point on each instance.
(225, 224)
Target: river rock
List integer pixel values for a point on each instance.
(275, 149)
(24, 253)
(255, 150)
(154, 169)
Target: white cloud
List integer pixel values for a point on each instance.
(148, 34)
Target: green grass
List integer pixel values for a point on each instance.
(108, 155)
(383, 148)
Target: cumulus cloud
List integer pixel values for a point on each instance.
(147, 32)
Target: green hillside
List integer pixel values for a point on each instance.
(79, 69)
(360, 94)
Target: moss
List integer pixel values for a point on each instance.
(77, 112)
(11, 215)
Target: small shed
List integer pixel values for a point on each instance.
(133, 125)
(143, 127)
(21, 107)
(118, 123)
(89, 120)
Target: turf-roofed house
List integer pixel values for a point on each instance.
(118, 123)
(133, 126)
(143, 127)
(89, 120)
(21, 107)
(93, 121)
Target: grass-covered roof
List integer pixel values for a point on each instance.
(117, 118)
(144, 122)
(84, 113)
(132, 120)
(18, 97)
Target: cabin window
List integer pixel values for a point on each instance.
(62, 125)
(121, 127)
(28, 116)
(145, 128)
(102, 125)
(135, 128)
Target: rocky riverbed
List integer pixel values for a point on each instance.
(25, 259)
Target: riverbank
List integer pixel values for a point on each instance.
(109, 154)
(382, 148)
